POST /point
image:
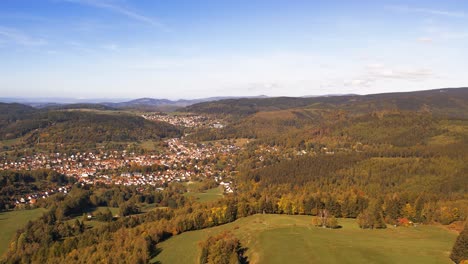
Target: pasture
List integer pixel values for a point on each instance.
(292, 239)
(13, 220)
(208, 195)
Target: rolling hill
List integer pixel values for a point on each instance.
(446, 102)
(68, 125)
(293, 239)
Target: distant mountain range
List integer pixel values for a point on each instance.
(166, 102)
(234, 103)
(118, 103)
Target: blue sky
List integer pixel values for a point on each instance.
(192, 49)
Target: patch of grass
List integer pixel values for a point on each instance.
(293, 239)
(208, 195)
(145, 208)
(13, 220)
(442, 140)
(150, 145)
(193, 186)
(241, 142)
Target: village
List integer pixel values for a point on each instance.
(182, 161)
(188, 120)
(179, 161)
(22, 201)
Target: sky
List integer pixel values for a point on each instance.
(194, 49)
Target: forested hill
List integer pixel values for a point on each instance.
(88, 125)
(14, 110)
(79, 106)
(451, 102)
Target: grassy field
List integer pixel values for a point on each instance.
(149, 145)
(10, 142)
(12, 221)
(145, 208)
(292, 239)
(93, 222)
(208, 195)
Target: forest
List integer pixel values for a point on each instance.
(65, 128)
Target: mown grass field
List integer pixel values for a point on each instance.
(12, 221)
(292, 239)
(208, 195)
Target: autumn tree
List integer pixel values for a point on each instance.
(460, 249)
(128, 208)
(221, 249)
(371, 217)
(104, 215)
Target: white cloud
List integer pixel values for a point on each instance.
(109, 6)
(414, 74)
(359, 82)
(18, 37)
(378, 73)
(427, 11)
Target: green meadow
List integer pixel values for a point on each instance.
(13, 220)
(208, 195)
(292, 239)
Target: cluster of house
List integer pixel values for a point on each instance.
(70, 164)
(33, 197)
(188, 120)
(227, 187)
(180, 162)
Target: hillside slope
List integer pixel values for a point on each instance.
(65, 126)
(293, 239)
(446, 102)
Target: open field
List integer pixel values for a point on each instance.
(93, 222)
(12, 221)
(292, 239)
(208, 195)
